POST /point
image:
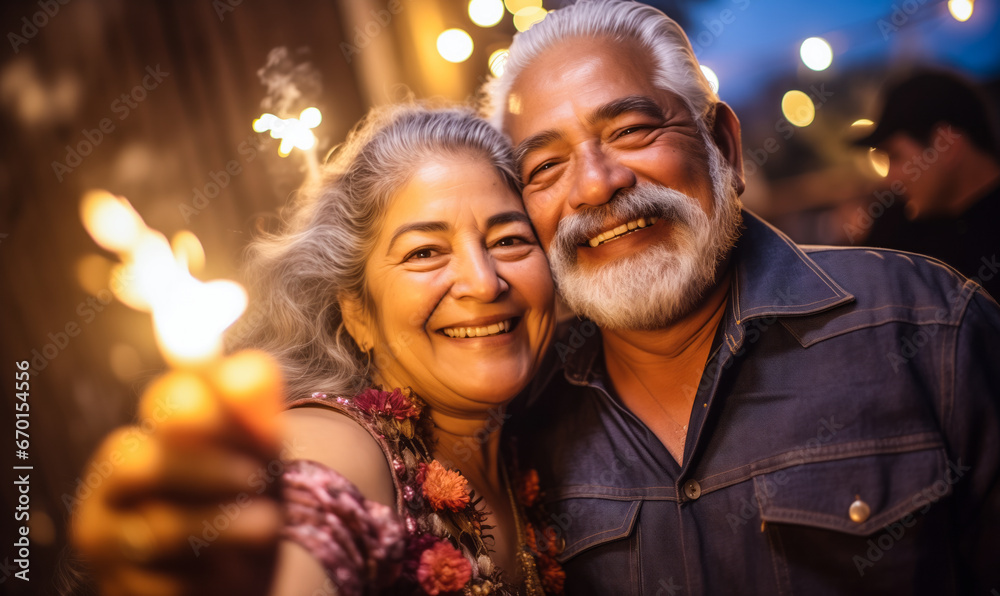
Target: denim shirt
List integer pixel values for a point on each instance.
(843, 439)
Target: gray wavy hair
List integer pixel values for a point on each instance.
(676, 67)
(296, 276)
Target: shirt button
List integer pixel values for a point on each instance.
(859, 511)
(692, 489)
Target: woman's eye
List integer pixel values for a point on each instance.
(420, 253)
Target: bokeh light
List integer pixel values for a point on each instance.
(798, 108)
(526, 17)
(497, 61)
(961, 9)
(713, 79)
(486, 13)
(816, 53)
(513, 6)
(455, 45)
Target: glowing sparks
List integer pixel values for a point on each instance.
(189, 315)
(293, 132)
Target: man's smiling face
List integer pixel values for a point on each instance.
(627, 191)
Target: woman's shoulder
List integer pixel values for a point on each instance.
(329, 434)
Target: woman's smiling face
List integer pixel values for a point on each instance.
(460, 290)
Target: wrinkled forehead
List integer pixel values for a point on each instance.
(571, 76)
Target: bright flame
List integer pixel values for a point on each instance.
(798, 108)
(513, 6)
(498, 60)
(526, 17)
(189, 315)
(713, 79)
(454, 45)
(486, 13)
(293, 132)
(188, 251)
(110, 220)
(879, 161)
(816, 53)
(961, 9)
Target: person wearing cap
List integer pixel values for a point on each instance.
(944, 170)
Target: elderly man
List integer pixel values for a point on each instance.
(733, 412)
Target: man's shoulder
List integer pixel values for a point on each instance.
(887, 286)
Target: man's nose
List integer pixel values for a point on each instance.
(476, 276)
(598, 178)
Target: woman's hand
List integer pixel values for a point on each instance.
(188, 502)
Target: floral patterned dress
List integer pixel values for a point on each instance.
(433, 542)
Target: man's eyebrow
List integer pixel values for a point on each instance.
(418, 226)
(533, 143)
(507, 217)
(632, 103)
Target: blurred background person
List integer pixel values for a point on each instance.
(944, 175)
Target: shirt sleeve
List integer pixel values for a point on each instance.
(973, 429)
(360, 543)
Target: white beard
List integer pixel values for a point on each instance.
(658, 286)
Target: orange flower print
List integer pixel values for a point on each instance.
(445, 489)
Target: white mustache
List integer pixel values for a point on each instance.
(644, 200)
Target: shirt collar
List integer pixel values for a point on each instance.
(772, 276)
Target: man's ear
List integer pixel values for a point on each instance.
(357, 322)
(726, 133)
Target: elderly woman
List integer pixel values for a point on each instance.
(406, 303)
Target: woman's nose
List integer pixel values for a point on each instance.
(476, 276)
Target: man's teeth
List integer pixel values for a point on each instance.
(494, 329)
(611, 234)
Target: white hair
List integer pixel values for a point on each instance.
(675, 65)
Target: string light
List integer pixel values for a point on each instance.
(455, 45)
(961, 10)
(798, 108)
(498, 60)
(486, 13)
(526, 17)
(816, 53)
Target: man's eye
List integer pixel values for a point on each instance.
(540, 169)
(630, 130)
(510, 241)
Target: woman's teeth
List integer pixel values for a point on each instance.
(494, 329)
(621, 230)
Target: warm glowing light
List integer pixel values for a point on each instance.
(189, 325)
(816, 53)
(514, 103)
(862, 124)
(454, 45)
(526, 17)
(513, 6)
(880, 161)
(189, 315)
(798, 108)
(92, 273)
(961, 9)
(486, 13)
(713, 79)
(110, 220)
(498, 60)
(293, 132)
(188, 251)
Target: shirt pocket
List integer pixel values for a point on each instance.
(864, 524)
(856, 495)
(597, 534)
